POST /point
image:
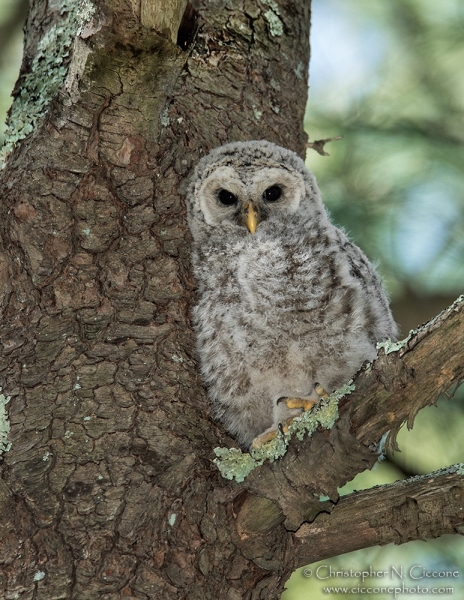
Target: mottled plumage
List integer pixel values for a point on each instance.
(281, 309)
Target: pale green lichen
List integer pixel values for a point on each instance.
(457, 468)
(324, 414)
(5, 445)
(235, 464)
(46, 75)
(257, 113)
(164, 118)
(390, 346)
(273, 6)
(276, 27)
(299, 70)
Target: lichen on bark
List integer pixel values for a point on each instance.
(235, 464)
(5, 445)
(46, 75)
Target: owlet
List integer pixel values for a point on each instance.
(287, 305)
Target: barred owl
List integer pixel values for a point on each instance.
(287, 306)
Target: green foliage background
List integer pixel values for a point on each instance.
(395, 182)
(387, 75)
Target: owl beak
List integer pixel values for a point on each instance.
(251, 217)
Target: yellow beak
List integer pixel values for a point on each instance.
(251, 217)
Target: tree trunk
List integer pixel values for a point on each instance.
(108, 489)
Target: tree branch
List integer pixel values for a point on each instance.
(418, 508)
(318, 145)
(405, 377)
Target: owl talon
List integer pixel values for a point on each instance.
(304, 403)
(291, 403)
(320, 391)
(269, 435)
(262, 439)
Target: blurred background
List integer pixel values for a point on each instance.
(388, 76)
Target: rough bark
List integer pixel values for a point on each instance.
(109, 490)
(417, 509)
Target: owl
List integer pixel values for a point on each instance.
(287, 307)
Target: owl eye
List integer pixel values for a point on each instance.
(227, 198)
(272, 193)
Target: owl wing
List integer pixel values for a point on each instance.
(379, 319)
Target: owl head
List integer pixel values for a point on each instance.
(251, 187)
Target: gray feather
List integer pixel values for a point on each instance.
(293, 304)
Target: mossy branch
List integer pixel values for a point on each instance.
(406, 377)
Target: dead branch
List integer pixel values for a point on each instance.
(318, 145)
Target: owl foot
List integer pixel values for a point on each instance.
(305, 403)
(270, 434)
(320, 391)
(291, 403)
(297, 403)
